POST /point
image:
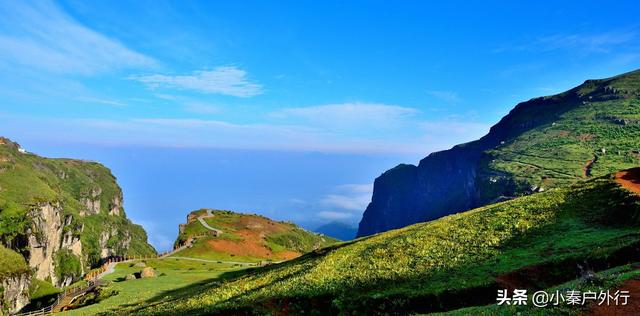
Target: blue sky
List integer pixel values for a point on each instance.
(290, 109)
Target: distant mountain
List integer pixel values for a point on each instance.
(547, 142)
(230, 236)
(339, 230)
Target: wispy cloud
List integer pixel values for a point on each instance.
(349, 114)
(597, 43)
(95, 100)
(583, 43)
(228, 80)
(41, 35)
(447, 96)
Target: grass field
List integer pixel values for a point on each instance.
(172, 274)
(456, 261)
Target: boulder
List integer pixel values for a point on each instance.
(148, 272)
(140, 265)
(130, 277)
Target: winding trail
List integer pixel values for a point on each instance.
(204, 223)
(214, 261)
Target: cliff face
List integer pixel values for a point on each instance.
(16, 292)
(62, 215)
(542, 143)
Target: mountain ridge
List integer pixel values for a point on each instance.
(457, 179)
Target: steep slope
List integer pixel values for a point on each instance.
(531, 242)
(62, 215)
(546, 142)
(230, 236)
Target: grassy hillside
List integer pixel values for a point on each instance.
(533, 242)
(246, 237)
(591, 130)
(28, 182)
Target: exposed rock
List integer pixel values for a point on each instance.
(148, 272)
(130, 277)
(15, 294)
(140, 265)
(91, 207)
(44, 240)
(115, 207)
(92, 202)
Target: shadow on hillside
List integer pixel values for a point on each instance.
(201, 286)
(606, 209)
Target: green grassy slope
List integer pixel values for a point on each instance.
(11, 263)
(534, 242)
(27, 181)
(247, 238)
(172, 274)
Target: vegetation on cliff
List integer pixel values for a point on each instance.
(11, 263)
(83, 202)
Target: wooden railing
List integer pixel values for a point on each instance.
(70, 292)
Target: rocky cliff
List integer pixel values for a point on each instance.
(62, 215)
(542, 143)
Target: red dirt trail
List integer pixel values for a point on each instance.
(633, 304)
(629, 179)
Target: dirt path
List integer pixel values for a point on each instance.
(204, 223)
(633, 303)
(586, 170)
(214, 261)
(629, 179)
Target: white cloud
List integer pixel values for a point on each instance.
(349, 114)
(228, 80)
(40, 35)
(354, 197)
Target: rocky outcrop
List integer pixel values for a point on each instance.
(115, 207)
(441, 184)
(48, 234)
(91, 203)
(15, 292)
